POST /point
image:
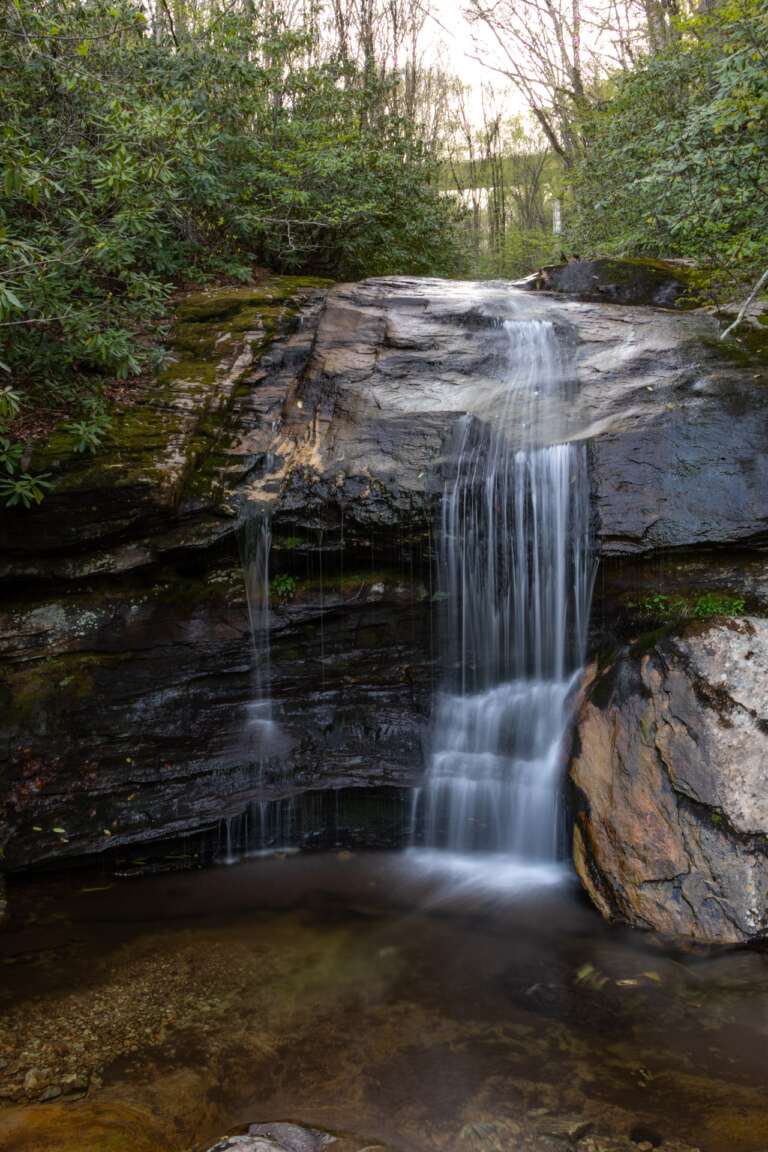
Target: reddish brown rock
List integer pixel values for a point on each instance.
(670, 771)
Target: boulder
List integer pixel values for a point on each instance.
(625, 281)
(669, 774)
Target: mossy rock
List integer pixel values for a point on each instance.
(746, 346)
(625, 281)
(62, 681)
(168, 443)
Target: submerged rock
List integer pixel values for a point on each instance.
(283, 1137)
(292, 1137)
(671, 827)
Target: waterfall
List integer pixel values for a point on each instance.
(514, 574)
(264, 828)
(255, 544)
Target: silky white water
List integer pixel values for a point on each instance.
(256, 542)
(514, 573)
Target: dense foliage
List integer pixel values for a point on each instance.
(137, 154)
(675, 159)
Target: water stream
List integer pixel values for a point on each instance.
(514, 570)
(266, 825)
(256, 541)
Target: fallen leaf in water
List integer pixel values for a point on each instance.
(590, 975)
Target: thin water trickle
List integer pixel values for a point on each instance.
(256, 541)
(262, 737)
(514, 576)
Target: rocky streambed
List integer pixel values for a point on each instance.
(128, 667)
(355, 994)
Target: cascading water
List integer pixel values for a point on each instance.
(515, 584)
(256, 541)
(266, 825)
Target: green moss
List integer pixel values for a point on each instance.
(747, 346)
(646, 723)
(647, 641)
(220, 304)
(179, 589)
(180, 419)
(288, 542)
(350, 581)
(698, 606)
(751, 341)
(61, 679)
(662, 267)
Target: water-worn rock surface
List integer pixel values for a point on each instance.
(671, 828)
(280, 1137)
(127, 712)
(678, 431)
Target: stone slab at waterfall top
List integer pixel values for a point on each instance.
(678, 431)
(670, 773)
(339, 425)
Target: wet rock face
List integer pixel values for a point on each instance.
(671, 827)
(333, 408)
(127, 660)
(279, 1137)
(126, 714)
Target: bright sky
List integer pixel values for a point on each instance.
(456, 42)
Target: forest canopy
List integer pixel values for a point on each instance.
(674, 153)
(138, 152)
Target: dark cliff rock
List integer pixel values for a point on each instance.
(128, 667)
(126, 716)
(671, 827)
